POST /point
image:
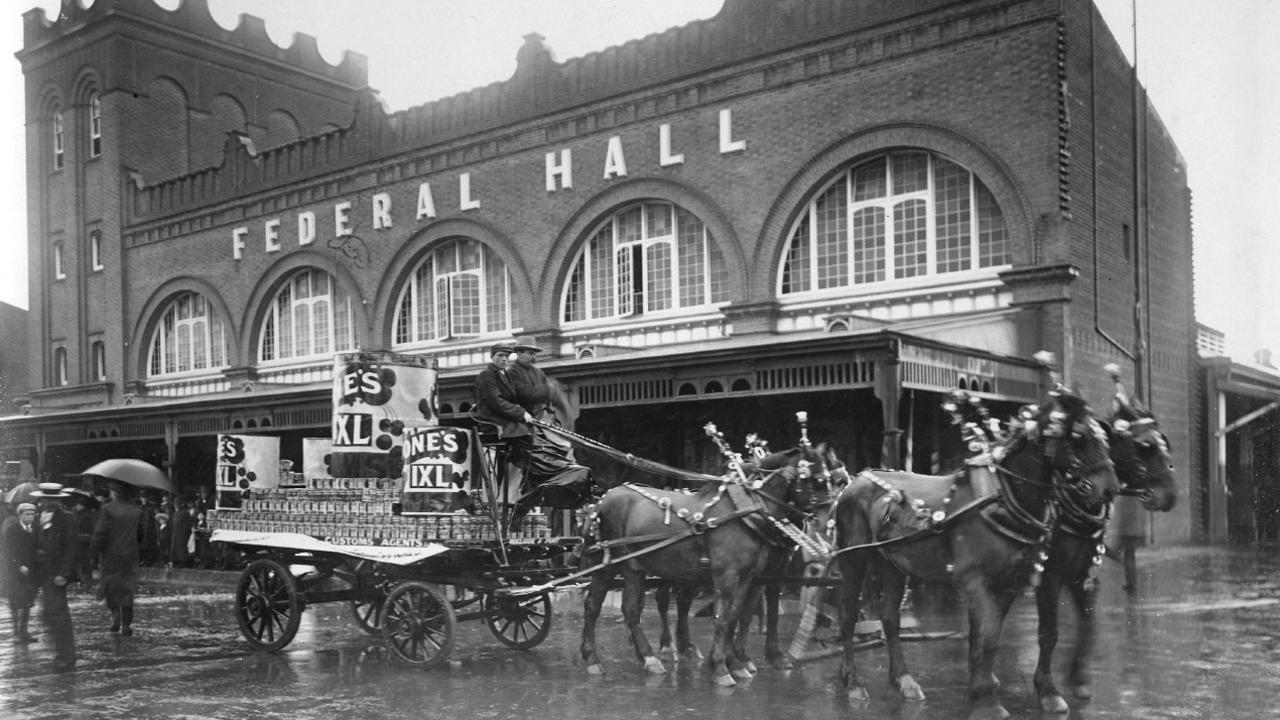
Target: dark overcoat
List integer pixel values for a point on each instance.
(115, 541)
(17, 550)
(57, 546)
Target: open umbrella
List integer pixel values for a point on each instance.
(132, 472)
(21, 493)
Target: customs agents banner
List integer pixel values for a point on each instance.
(244, 462)
(376, 396)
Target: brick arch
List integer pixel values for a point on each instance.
(966, 152)
(226, 115)
(281, 129)
(87, 81)
(270, 282)
(575, 232)
(137, 354)
(164, 150)
(412, 251)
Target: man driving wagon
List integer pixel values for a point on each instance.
(514, 400)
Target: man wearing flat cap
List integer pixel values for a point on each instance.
(512, 395)
(57, 561)
(18, 550)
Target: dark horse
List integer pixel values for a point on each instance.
(719, 535)
(1144, 468)
(898, 524)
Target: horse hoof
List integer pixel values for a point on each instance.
(595, 669)
(1054, 704)
(654, 666)
(995, 712)
(750, 667)
(693, 654)
(669, 654)
(910, 689)
(1082, 692)
(740, 673)
(725, 680)
(858, 693)
(783, 662)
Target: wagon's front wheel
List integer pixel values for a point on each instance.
(368, 614)
(418, 625)
(518, 622)
(268, 608)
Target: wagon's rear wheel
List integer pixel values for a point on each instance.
(268, 608)
(519, 622)
(418, 624)
(368, 613)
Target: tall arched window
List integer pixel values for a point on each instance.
(99, 361)
(897, 216)
(189, 338)
(650, 257)
(461, 289)
(95, 250)
(60, 373)
(309, 318)
(59, 148)
(95, 125)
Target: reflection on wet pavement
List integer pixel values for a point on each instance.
(1200, 638)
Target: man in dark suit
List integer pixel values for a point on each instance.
(496, 395)
(57, 561)
(18, 542)
(115, 540)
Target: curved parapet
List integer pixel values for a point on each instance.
(192, 16)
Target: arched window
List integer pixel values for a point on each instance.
(649, 257)
(60, 375)
(95, 125)
(59, 149)
(461, 289)
(59, 262)
(190, 338)
(309, 318)
(897, 216)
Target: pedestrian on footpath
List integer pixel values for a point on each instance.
(18, 544)
(164, 535)
(115, 542)
(57, 561)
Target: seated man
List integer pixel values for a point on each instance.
(513, 395)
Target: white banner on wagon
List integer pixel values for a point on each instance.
(245, 462)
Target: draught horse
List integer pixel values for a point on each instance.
(899, 525)
(719, 536)
(1144, 468)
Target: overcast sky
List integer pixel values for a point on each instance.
(1210, 67)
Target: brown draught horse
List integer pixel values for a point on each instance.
(1144, 468)
(899, 525)
(719, 536)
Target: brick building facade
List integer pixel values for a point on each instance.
(840, 207)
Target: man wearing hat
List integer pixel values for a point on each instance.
(115, 539)
(57, 560)
(513, 396)
(18, 548)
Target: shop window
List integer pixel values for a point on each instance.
(650, 257)
(309, 318)
(460, 289)
(189, 338)
(95, 125)
(903, 215)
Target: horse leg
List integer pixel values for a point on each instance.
(987, 610)
(740, 664)
(853, 570)
(592, 601)
(632, 604)
(772, 653)
(685, 596)
(731, 595)
(1086, 602)
(892, 587)
(662, 598)
(1051, 699)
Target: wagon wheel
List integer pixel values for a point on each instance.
(418, 624)
(518, 622)
(268, 608)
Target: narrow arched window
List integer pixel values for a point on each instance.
(649, 257)
(95, 250)
(59, 148)
(99, 361)
(190, 337)
(95, 125)
(460, 289)
(309, 318)
(60, 374)
(59, 262)
(898, 216)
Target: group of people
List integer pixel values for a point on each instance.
(56, 537)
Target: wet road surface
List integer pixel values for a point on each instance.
(1200, 639)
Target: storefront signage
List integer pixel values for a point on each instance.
(380, 214)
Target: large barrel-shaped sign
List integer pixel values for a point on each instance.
(376, 395)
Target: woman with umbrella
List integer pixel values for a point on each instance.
(115, 542)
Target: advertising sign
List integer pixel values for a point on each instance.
(376, 396)
(245, 462)
(438, 470)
